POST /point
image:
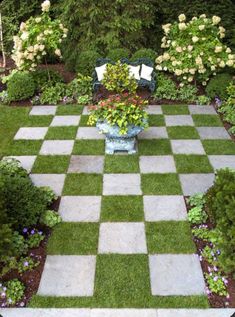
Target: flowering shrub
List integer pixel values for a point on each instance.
(121, 110)
(12, 291)
(36, 38)
(194, 50)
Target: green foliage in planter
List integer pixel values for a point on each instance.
(118, 53)
(20, 86)
(121, 110)
(117, 79)
(44, 77)
(220, 206)
(228, 108)
(197, 215)
(217, 86)
(27, 264)
(86, 62)
(144, 53)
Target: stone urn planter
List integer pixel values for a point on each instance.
(114, 141)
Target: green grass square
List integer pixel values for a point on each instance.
(219, 147)
(122, 280)
(61, 133)
(89, 147)
(156, 120)
(83, 184)
(24, 147)
(180, 133)
(121, 164)
(69, 110)
(154, 147)
(51, 164)
(83, 121)
(72, 238)
(203, 120)
(38, 121)
(122, 208)
(192, 164)
(169, 237)
(161, 184)
(175, 109)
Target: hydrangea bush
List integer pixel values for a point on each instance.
(194, 50)
(36, 38)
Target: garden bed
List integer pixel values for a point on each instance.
(215, 300)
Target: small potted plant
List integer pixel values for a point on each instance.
(121, 118)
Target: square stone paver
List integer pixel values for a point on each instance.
(154, 109)
(176, 274)
(68, 275)
(26, 161)
(122, 238)
(154, 133)
(222, 161)
(187, 147)
(55, 181)
(34, 133)
(121, 184)
(158, 208)
(194, 109)
(64, 121)
(196, 183)
(86, 164)
(58, 147)
(179, 120)
(80, 208)
(212, 133)
(157, 164)
(43, 110)
(89, 134)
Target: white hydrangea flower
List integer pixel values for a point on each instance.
(222, 64)
(159, 67)
(228, 50)
(192, 71)
(190, 79)
(166, 28)
(182, 17)
(22, 26)
(58, 52)
(195, 39)
(178, 72)
(201, 27)
(46, 6)
(38, 19)
(198, 60)
(218, 49)
(203, 16)
(230, 62)
(24, 36)
(190, 48)
(182, 26)
(216, 19)
(178, 49)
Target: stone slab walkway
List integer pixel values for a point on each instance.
(120, 208)
(69, 312)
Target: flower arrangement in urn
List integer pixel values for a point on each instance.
(121, 118)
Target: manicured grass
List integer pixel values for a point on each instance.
(73, 238)
(156, 120)
(83, 121)
(161, 184)
(38, 121)
(169, 237)
(219, 147)
(122, 208)
(11, 119)
(24, 147)
(61, 133)
(88, 147)
(69, 110)
(202, 120)
(199, 301)
(154, 147)
(121, 164)
(51, 164)
(175, 109)
(83, 184)
(181, 133)
(192, 164)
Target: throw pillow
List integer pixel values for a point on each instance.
(100, 71)
(146, 72)
(135, 71)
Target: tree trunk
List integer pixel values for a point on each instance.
(1, 43)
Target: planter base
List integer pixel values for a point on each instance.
(117, 144)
